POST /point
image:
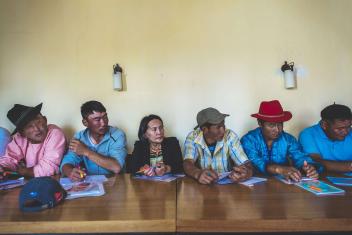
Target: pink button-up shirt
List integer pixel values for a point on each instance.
(44, 157)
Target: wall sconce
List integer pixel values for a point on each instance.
(289, 76)
(117, 77)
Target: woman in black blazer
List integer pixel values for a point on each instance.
(153, 153)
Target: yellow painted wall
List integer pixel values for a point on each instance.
(179, 56)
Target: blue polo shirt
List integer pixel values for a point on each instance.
(112, 145)
(314, 140)
(284, 147)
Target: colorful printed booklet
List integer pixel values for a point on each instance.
(319, 188)
(164, 178)
(91, 186)
(340, 181)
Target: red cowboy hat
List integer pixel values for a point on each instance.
(271, 111)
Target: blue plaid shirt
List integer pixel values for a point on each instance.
(228, 148)
(285, 147)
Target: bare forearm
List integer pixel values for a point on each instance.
(274, 169)
(337, 166)
(105, 162)
(190, 169)
(332, 165)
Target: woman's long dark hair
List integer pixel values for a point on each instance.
(143, 126)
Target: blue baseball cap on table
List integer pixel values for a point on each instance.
(41, 193)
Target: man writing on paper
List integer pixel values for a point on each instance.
(100, 149)
(37, 147)
(271, 149)
(330, 141)
(212, 149)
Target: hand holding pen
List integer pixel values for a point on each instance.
(207, 176)
(241, 172)
(162, 169)
(77, 174)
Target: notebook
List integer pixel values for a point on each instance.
(91, 186)
(340, 181)
(319, 188)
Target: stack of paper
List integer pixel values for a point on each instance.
(7, 184)
(288, 181)
(164, 178)
(91, 186)
(224, 179)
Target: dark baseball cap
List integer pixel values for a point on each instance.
(41, 193)
(210, 115)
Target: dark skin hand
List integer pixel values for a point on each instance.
(242, 172)
(162, 169)
(310, 171)
(75, 174)
(207, 176)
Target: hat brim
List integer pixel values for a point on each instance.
(27, 117)
(286, 116)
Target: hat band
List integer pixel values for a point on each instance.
(271, 116)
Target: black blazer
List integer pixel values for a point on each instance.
(172, 155)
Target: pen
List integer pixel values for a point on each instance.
(81, 172)
(7, 173)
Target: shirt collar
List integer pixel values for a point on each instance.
(105, 138)
(201, 141)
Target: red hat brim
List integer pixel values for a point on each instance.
(285, 116)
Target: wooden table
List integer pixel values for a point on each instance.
(267, 207)
(128, 206)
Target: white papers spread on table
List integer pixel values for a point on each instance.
(91, 186)
(89, 178)
(252, 181)
(7, 184)
(164, 178)
(224, 179)
(288, 181)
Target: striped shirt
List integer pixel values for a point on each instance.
(227, 151)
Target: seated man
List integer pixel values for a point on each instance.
(99, 149)
(37, 148)
(212, 149)
(5, 138)
(330, 141)
(269, 147)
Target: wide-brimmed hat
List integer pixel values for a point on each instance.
(271, 111)
(210, 115)
(20, 115)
